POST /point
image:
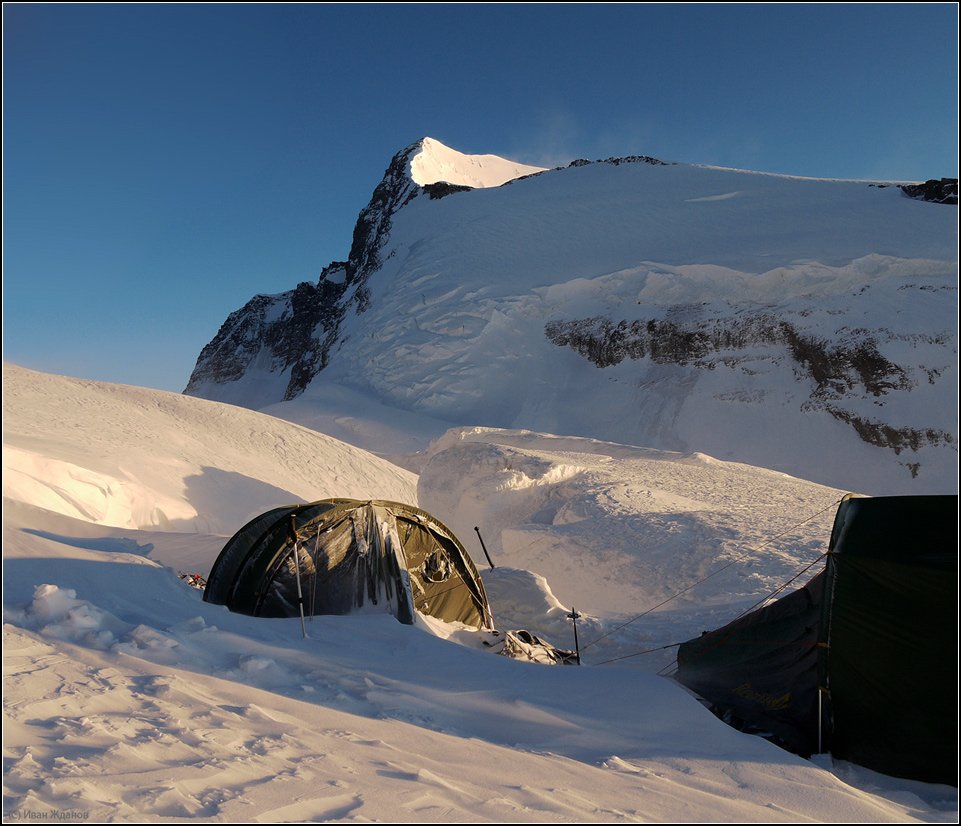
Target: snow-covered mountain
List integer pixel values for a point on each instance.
(128, 698)
(804, 325)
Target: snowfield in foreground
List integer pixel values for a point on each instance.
(127, 698)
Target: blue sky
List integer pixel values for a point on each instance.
(164, 163)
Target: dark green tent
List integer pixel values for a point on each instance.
(349, 556)
(863, 661)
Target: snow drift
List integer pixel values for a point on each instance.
(90, 450)
(126, 697)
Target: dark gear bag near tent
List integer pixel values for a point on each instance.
(343, 555)
(862, 662)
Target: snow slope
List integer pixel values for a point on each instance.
(126, 697)
(618, 529)
(457, 318)
(89, 450)
(804, 325)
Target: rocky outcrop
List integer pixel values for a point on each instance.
(374, 222)
(441, 189)
(626, 159)
(637, 159)
(854, 367)
(881, 434)
(227, 357)
(943, 191)
(835, 369)
(296, 331)
(292, 331)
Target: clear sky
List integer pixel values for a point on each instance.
(164, 163)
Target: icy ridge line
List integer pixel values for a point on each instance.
(297, 329)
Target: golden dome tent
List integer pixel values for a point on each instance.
(349, 556)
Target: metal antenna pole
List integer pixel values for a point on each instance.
(574, 616)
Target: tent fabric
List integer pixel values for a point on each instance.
(762, 668)
(889, 641)
(236, 548)
(349, 556)
(862, 661)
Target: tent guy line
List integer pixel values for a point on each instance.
(738, 558)
(638, 653)
(784, 585)
(860, 662)
(761, 601)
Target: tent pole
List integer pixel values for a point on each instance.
(300, 593)
(481, 538)
(313, 577)
(820, 719)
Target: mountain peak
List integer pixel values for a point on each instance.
(705, 305)
(436, 162)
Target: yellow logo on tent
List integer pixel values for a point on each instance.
(769, 701)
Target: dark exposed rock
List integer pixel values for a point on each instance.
(228, 355)
(626, 159)
(279, 328)
(884, 435)
(605, 343)
(943, 191)
(835, 369)
(296, 342)
(914, 467)
(442, 189)
(373, 224)
(838, 370)
(637, 159)
(297, 330)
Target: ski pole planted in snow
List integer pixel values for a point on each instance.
(481, 538)
(574, 616)
(300, 594)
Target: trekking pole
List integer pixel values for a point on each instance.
(292, 532)
(481, 538)
(313, 577)
(574, 616)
